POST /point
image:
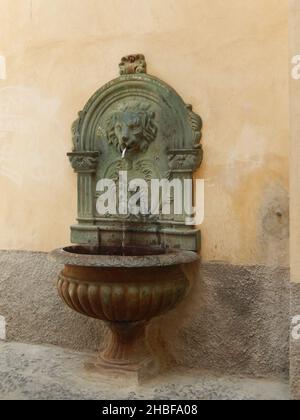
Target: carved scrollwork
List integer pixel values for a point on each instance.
(134, 63)
(82, 162)
(141, 168)
(189, 160)
(75, 130)
(196, 124)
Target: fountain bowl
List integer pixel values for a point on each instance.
(125, 287)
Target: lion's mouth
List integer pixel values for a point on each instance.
(128, 148)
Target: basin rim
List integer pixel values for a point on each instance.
(170, 257)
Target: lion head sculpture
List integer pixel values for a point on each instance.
(132, 127)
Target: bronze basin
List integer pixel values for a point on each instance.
(125, 287)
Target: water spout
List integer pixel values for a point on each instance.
(124, 152)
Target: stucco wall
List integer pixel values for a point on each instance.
(228, 58)
(295, 136)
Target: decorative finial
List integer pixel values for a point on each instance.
(133, 63)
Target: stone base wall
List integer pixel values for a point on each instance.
(235, 320)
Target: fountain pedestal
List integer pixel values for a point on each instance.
(127, 347)
(125, 291)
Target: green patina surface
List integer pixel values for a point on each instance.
(161, 135)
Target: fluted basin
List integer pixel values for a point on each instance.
(125, 287)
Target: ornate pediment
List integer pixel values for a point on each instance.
(134, 63)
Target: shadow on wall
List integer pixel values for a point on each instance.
(236, 321)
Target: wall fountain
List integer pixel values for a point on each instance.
(126, 266)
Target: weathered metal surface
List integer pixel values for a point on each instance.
(161, 135)
(122, 294)
(117, 256)
(125, 296)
